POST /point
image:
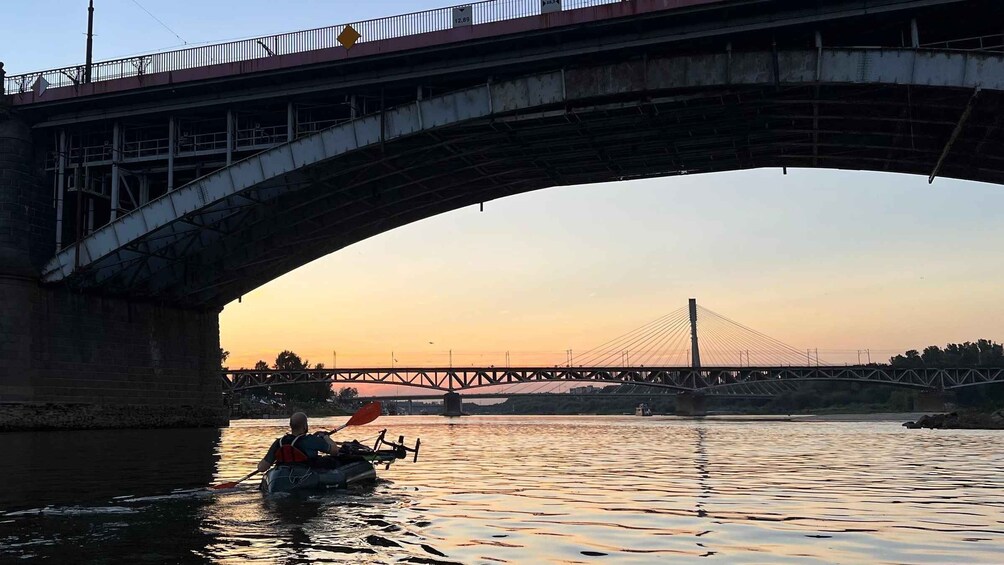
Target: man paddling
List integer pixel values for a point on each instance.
(297, 446)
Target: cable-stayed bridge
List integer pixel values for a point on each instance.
(667, 355)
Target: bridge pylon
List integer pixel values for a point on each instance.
(695, 349)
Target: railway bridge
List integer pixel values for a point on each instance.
(692, 385)
(139, 196)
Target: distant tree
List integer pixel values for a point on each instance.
(289, 361)
(911, 359)
(981, 353)
(347, 395)
(223, 357)
(933, 356)
(307, 392)
(261, 366)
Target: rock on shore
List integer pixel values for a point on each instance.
(961, 421)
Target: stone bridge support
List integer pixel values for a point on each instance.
(690, 404)
(70, 360)
(452, 404)
(932, 401)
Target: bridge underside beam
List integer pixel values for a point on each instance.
(886, 110)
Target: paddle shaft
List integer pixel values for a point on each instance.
(237, 482)
(336, 430)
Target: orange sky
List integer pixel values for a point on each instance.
(837, 261)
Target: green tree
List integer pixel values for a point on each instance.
(933, 356)
(981, 353)
(911, 359)
(347, 395)
(301, 393)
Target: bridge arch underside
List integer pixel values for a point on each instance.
(928, 113)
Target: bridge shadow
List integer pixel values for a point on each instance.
(79, 467)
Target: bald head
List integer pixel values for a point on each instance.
(298, 423)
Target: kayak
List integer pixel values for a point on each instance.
(289, 478)
(352, 464)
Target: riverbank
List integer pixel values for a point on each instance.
(967, 420)
(28, 417)
(311, 410)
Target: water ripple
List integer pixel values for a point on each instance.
(547, 489)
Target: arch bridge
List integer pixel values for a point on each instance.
(176, 182)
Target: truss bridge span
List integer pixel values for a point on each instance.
(725, 381)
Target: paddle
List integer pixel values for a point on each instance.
(364, 415)
(232, 484)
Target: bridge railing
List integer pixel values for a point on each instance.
(295, 42)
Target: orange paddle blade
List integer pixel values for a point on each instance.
(225, 485)
(365, 415)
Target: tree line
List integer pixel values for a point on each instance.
(980, 353)
(296, 394)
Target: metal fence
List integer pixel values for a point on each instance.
(416, 23)
(984, 43)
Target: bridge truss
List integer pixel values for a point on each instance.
(718, 381)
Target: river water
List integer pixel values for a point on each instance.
(519, 490)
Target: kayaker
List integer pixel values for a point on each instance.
(298, 446)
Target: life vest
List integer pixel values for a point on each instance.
(288, 452)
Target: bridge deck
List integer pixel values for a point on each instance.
(418, 30)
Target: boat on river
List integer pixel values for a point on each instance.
(354, 463)
(643, 410)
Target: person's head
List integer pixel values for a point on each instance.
(298, 423)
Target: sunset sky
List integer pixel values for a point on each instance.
(838, 261)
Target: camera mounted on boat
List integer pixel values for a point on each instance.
(383, 451)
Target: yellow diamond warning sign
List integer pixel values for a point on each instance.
(348, 37)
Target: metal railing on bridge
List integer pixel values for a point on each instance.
(391, 27)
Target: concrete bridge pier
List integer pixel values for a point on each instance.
(932, 401)
(70, 360)
(452, 404)
(690, 404)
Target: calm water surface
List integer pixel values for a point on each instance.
(519, 490)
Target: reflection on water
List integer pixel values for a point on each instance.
(69, 467)
(521, 490)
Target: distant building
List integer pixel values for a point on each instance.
(588, 389)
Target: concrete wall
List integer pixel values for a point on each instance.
(70, 360)
(88, 361)
(27, 216)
